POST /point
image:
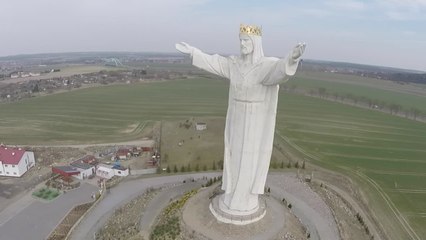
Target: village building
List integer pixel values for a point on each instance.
(14, 162)
(109, 171)
(120, 171)
(104, 171)
(123, 154)
(200, 126)
(86, 170)
(65, 171)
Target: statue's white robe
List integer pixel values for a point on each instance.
(250, 122)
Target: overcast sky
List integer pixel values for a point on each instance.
(378, 32)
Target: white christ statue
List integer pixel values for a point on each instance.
(250, 119)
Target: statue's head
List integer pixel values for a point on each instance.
(251, 41)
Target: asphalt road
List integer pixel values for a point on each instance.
(36, 219)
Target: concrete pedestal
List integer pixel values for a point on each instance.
(226, 215)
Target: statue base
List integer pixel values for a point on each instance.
(200, 223)
(226, 215)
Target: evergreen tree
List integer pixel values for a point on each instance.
(175, 169)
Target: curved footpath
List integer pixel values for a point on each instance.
(307, 205)
(120, 195)
(312, 211)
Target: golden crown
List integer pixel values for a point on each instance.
(250, 30)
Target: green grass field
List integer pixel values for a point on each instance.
(407, 95)
(385, 154)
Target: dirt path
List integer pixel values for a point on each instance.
(142, 142)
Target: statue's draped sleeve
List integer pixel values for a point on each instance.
(280, 70)
(215, 64)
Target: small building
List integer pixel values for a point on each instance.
(65, 171)
(120, 171)
(123, 153)
(200, 126)
(14, 162)
(89, 159)
(86, 170)
(105, 171)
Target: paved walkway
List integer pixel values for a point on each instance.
(35, 219)
(306, 205)
(120, 195)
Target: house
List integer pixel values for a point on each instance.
(14, 162)
(104, 171)
(200, 126)
(86, 170)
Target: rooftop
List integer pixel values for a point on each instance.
(10, 155)
(81, 164)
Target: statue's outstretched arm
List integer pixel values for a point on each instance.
(185, 48)
(283, 69)
(212, 63)
(297, 52)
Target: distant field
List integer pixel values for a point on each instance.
(407, 95)
(66, 71)
(385, 154)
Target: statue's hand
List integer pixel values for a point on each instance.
(184, 47)
(298, 51)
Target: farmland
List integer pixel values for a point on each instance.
(385, 154)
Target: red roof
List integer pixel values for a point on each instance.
(123, 151)
(9, 155)
(65, 170)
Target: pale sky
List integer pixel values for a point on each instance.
(377, 32)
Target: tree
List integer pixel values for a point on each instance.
(182, 169)
(35, 89)
(197, 167)
(296, 165)
(289, 164)
(303, 164)
(415, 112)
(168, 169)
(205, 167)
(336, 96)
(322, 92)
(189, 168)
(220, 163)
(175, 169)
(282, 164)
(214, 165)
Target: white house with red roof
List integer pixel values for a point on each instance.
(14, 162)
